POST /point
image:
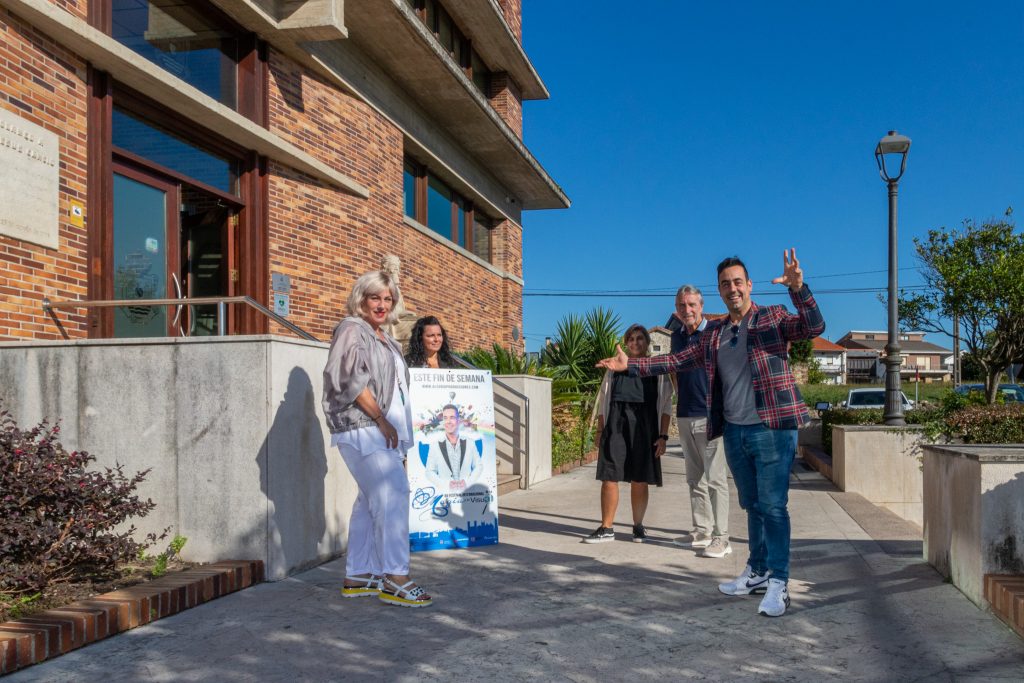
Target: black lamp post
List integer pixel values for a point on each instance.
(892, 144)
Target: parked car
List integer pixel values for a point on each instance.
(1010, 392)
(862, 399)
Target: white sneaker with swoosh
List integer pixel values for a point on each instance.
(746, 583)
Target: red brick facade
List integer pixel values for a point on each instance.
(513, 11)
(45, 84)
(507, 101)
(320, 236)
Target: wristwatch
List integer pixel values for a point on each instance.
(663, 436)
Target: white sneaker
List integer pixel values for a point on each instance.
(775, 601)
(746, 583)
(694, 539)
(719, 548)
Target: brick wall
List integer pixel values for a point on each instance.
(324, 238)
(513, 11)
(45, 85)
(507, 100)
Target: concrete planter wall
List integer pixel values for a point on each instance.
(520, 450)
(231, 428)
(883, 464)
(974, 513)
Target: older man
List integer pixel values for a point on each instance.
(754, 402)
(705, 460)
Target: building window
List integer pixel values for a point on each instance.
(454, 41)
(431, 202)
(869, 337)
(184, 38)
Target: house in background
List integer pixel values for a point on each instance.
(661, 340)
(831, 359)
(921, 359)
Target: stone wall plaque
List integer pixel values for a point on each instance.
(29, 181)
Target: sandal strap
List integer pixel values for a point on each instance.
(414, 593)
(369, 581)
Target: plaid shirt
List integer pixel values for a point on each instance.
(769, 331)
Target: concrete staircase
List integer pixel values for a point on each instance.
(507, 483)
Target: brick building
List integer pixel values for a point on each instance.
(166, 148)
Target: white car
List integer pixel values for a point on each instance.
(862, 399)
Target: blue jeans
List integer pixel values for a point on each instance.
(760, 459)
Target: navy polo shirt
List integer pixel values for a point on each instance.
(692, 385)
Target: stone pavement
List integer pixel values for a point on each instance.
(541, 606)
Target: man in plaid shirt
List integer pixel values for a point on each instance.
(755, 404)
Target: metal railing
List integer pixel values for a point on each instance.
(51, 307)
(524, 447)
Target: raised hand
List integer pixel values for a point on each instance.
(792, 275)
(616, 363)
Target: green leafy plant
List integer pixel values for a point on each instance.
(581, 341)
(14, 606)
(173, 550)
(59, 520)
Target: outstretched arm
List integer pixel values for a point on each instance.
(690, 357)
(808, 322)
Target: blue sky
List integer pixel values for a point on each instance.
(685, 132)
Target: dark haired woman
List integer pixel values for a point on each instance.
(428, 345)
(633, 415)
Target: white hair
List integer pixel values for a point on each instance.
(372, 283)
(690, 289)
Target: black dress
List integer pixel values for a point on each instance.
(626, 451)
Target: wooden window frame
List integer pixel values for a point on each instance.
(421, 174)
(248, 246)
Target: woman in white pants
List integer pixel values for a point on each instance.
(366, 389)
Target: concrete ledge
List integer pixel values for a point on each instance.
(818, 459)
(974, 514)
(49, 634)
(882, 464)
(1005, 593)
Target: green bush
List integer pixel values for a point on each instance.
(572, 436)
(988, 424)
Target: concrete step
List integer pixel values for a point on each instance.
(1005, 593)
(507, 483)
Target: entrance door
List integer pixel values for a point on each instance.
(171, 239)
(145, 213)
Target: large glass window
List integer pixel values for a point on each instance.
(439, 207)
(182, 38)
(447, 213)
(409, 189)
(159, 146)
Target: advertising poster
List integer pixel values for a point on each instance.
(453, 478)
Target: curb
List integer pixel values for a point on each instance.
(49, 634)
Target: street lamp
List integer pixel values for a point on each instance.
(892, 145)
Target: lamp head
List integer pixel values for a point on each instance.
(893, 143)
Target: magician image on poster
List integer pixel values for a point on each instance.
(452, 467)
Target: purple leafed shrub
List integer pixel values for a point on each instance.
(57, 517)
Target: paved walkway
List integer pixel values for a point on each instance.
(541, 606)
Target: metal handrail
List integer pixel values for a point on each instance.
(525, 448)
(50, 307)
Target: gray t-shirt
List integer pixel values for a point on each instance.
(733, 368)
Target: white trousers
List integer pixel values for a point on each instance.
(378, 533)
(706, 475)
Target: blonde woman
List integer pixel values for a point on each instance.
(366, 390)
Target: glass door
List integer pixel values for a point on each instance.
(206, 222)
(145, 215)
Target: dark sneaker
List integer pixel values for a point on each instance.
(639, 533)
(602, 535)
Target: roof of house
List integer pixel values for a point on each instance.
(905, 346)
(822, 344)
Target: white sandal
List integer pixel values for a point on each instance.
(409, 595)
(370, 587)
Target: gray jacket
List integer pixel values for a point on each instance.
(358, 359)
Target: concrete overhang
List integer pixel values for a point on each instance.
(143, 76)
(497, 45)
(394, 38)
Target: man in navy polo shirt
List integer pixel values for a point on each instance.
(705, 460)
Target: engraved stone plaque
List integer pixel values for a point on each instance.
(29, 181)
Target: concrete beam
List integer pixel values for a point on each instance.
(147, 78)
(493, 39)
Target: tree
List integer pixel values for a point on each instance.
(975, 273)
(581, 341)
(801, 351)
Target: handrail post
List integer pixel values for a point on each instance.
(221, 315)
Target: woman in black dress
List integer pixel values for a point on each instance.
(633, 415)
